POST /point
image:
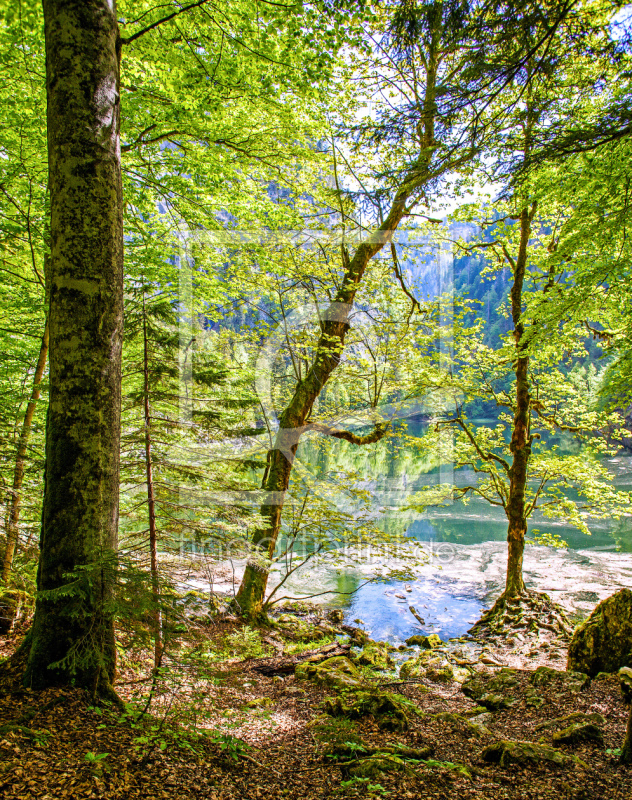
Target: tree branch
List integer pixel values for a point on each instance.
(376, 434)
(151, 27)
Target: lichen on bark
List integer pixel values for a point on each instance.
(73, 624)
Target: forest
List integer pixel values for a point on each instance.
(316, 399)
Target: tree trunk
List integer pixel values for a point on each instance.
(7, 608)
(73, 631)
(520, 445)
(151, 505)
(626, 750)
(251, 595)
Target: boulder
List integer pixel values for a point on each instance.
(577, 717)
(389, 710)
(427, 642)
(578, 732)
(625, 678)
(375, 655)
(492, 691)
(495, 702)
(603, 642)
(337, 673)
(467, 726)
(416, 668)
(570, 680)
(444, 674)
(507, 752)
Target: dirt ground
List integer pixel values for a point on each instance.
(223, 730)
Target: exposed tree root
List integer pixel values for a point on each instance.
(528, 613)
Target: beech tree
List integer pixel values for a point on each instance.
(428, 87)
(73, 629)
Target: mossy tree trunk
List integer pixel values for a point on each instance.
(335, 324)
(73, 626)
(520, 445)
(7, 609)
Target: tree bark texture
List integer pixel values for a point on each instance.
(151, 503)
(520, 445)
(15, 504)
(73, 626)
(626, 750)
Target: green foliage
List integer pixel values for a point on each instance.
(246, 642)
(374, 789)
(95, 758)
(230, 746)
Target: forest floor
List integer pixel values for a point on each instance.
(219, 729)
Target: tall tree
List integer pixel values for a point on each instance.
(73, 630)
(427, 86)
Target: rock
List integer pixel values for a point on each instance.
(443, 674)
(625, 679)
(603, 642)
(357, 635)
(337, 673)
(506, 752)
(569, 681)
(571, 719)
(495, 702)
(259, 702)
(300, 630)
(533, 699)
(467, 726)
(492, 691)
(427, 642)
(400, 596)
(336, 616)
(418, 667)
(390, 710)
(482, 719)
(375, 655)
(578, 732)
(374, 766)
(460, 674)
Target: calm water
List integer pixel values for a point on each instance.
(466, 550)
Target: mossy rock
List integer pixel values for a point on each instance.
(466, 726)
(577, 733)
(260, 702)
(389, 710)
(427, 642)
(492, 691)
(417, 667)
(375, 655)
(603, 642)
(570, 680)
(625, 680)
(570, 719)
(337, 673)
(358, 636)
(443, 674)
(298, 630)
(461, 674)
(374, 766)
(506, 752)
